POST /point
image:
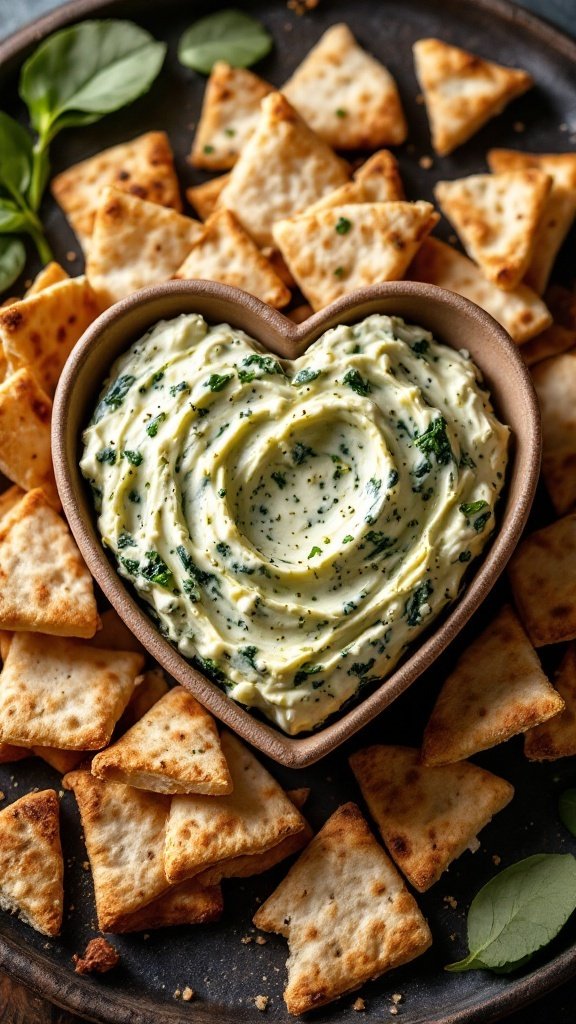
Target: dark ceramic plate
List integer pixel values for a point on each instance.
(226, 973)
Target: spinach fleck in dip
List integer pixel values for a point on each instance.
(294, 527)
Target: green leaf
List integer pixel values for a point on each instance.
(81, 73)
(567, 809)
(12, 260)
(520, 910)
(435, 439)
(228, 35)
(15, 156)
(11, 218)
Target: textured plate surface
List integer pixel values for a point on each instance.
(226, 973)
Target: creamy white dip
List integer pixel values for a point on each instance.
(294, 527)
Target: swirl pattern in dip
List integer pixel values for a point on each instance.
(294, 526)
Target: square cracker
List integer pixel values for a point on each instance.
(347, 97)
(31, 864)
(25, 448)
(204, 198)
(337, 250)
(56, 692)
(203, 830)
(427, 816)
(44, 584)
(462, 91)
(124, 830)
(187, 903)
(520, 311)
(557, 737)
(230, 112)
(136, 243)
(496, 690)
(346, 913)
(559, 211)
(143, 167)
(226, 253)
(496, 217)
(555, 383)
(542, 572)
(174, 748)
(283, 168)
(41, 331)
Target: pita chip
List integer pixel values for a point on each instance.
(555, 383)
(520, 311)
(146, 694)
(347, 97)
(62, 761)
(255, 816)
(8, 499)
(51, 274)
(136, 243)
(31, 864)
(561, 335)
(41, 331)
(187, 903)
(427, 816)
(143, 167)
(496, 690)
(542, 572)
(283, 168)
(557, 737)
(124, 831)
(462, 91)
(346, 913)
(25, 449)
(230, 112)
(300, 313)
(376, 181)
(559, 211)
(115, 635)
(335, 251)
(56, 692)
(44, 584)
(204, 198)
(496, 217)
(9, 753)
(225, 253)
(174, 748)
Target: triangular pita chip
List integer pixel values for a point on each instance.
(346, 913)
(31, 865)
(25, 451)
(496, 690)
(8, 499)
(187, 903)
(557, 737)
(134, 244)
(44, 584)
(346, 96)
(542, 572)
(560, 209)
(124, 830)
(150, 690)
(427, 816)
(333, 252)
(376, 181)
(230, 112)
(51, 274)
(561, 335)
(9, 753)
(520, 311)
(204, 198)
(143, 167)
(115, 635)
(174, 748)
(61, 761)
(41, 331)
(61, 693)
(225, 253)
(283, 168)
(300, 313)
(5, 641)
(203, 830)
(496, 217)
(462, 91)
(555, 383)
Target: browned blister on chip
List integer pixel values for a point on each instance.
(427, 816)
(496, 690)
(542, 572)
(230, 112)
(346, 913)
(31, 865)
(25, 449)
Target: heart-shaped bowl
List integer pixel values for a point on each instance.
(453, 321)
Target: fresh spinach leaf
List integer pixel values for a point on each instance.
(229, 35)
(520, 910)
(567, 809)
(12, 260)
(15, 156)
(12, 220)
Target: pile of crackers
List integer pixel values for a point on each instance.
(170, 805)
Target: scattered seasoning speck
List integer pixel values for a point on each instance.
(426, 162)
(260, 940)
(496, 859)
(188, 994)
(342, 226)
